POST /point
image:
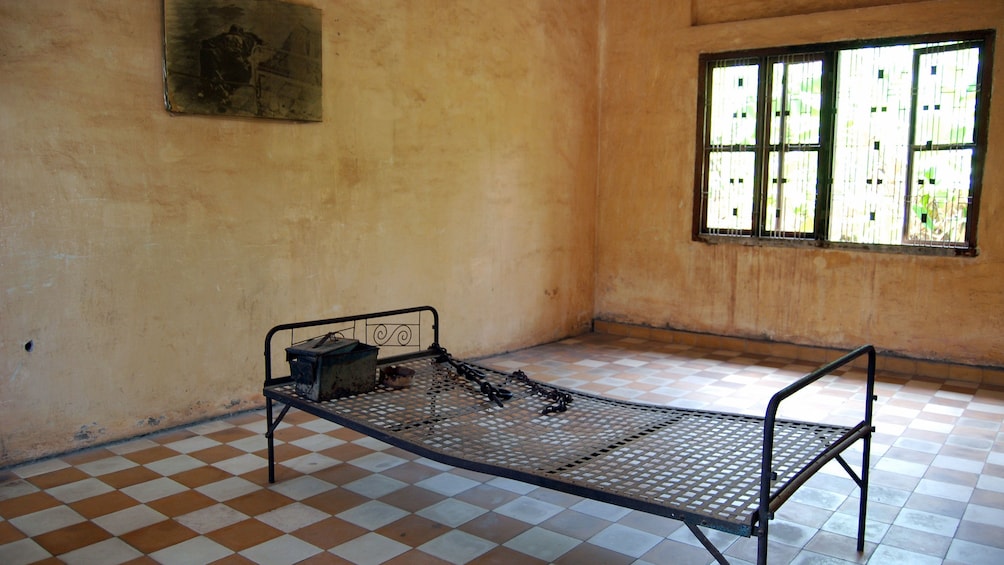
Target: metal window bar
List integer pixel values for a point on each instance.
(938, 184)
(864, 180)
(731, 130)
(791, 173)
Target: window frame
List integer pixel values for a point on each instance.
(827, 53)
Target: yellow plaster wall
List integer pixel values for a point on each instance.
(144, 255)
(650, 272)
(718, 11)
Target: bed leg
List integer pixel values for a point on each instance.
(270, 434)
(866, 448)
(761, 546)
(863, 503)
(271, 443)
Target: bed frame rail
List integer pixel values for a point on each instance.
(769, 503)
(412, 334)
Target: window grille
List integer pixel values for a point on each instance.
(873, 145)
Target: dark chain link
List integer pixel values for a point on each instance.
(497, 394)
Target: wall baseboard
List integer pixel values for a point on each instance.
(886, 362)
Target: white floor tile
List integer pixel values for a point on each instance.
(222, 491)
(22, 552)
(451, 512)
(888, 554)
(447, 484)
(129, 519)
(195, 550)
(819, 498)
(964, 551)
(372, 515)
(79, 490)
(529, 510)
(320, 426)
(600, 509)
(310, 463)
(958, 493)
(510, 485)
(106, 465)
(375, 486)
(628, 541)
(210, 427)
(174, 465)
(433, 464)
(843, 524)
(984, 515)
(47, 520)
(132, 446)
(111, 551)
(542, 544)
(40, 468)
(192, 444)
(370, 549)
(378, 461)
(211, 518)
(958, 464)
(371, 443)
(283, 550)
(250, 444)
(720, 539)
(927, 522)
(16, 488)
(292, 517)
(316, 442)
(302, 487)
(457, 547)
(991, 483)
(242, 464)
(153, 490)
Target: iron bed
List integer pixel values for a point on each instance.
(719, 470)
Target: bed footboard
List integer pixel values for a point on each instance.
(771, 501)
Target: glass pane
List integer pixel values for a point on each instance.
(871, 144)
(729, 195)
(796, 95)
(733, 107)
(940, 200)
(791, 195)
(946, 97)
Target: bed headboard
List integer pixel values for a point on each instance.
(400, 334)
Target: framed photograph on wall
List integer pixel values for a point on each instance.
(253, 58)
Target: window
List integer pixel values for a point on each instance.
(876, 145)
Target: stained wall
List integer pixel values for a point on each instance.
(525, 166)
(650, 272)
(143, 255)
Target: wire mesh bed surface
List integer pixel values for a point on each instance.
(725, 471)
(671, 461)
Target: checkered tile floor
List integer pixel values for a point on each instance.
(200, 494)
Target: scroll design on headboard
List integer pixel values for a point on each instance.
(394, 334)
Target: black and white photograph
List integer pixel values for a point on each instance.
(252, 58)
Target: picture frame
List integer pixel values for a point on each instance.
(249, 58)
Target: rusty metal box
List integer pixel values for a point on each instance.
(328, 367)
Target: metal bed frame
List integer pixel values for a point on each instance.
(719, 470)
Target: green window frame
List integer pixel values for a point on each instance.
(866, 145)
